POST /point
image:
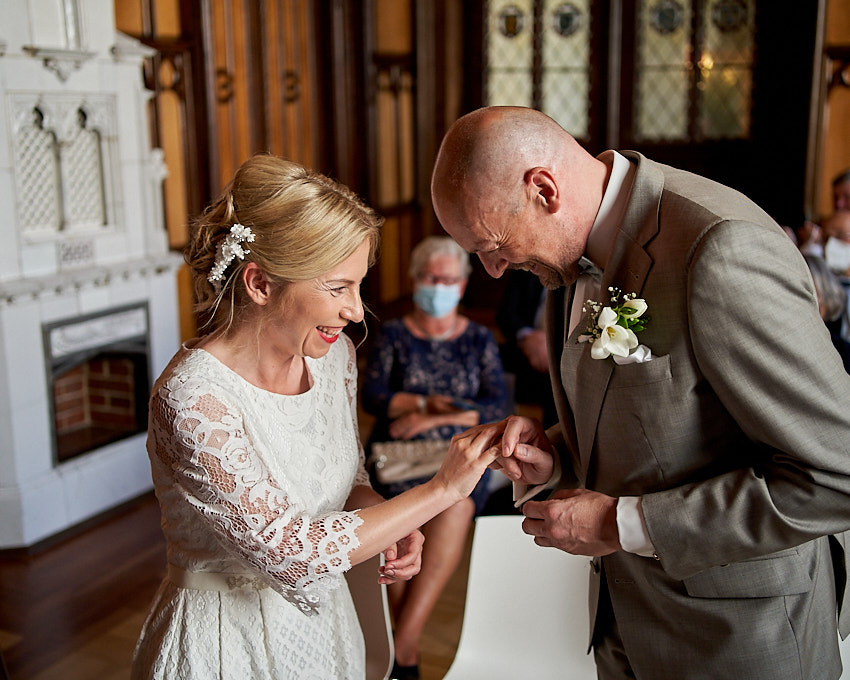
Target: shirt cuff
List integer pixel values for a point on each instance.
(523, 493)
(633, 534)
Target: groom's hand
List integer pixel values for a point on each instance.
(577, 521)
(527, 455)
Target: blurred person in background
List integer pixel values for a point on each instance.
(832, 302)
(432, 374)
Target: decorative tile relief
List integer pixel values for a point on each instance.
(66, 177)
(82, 175)
(37, 163)
(75, 253)
(61, 62)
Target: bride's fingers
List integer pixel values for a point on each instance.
(485, 439)
(485, 429)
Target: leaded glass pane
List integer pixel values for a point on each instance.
(565, 86)
(508, 40)
(662, 114)
(566, 42)
(662, 73)
(565, 98)
(505, 88)
(725, 104)
(725, 64)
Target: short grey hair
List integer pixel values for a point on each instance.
(433, 246)
(828, 286)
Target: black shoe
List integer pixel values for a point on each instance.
(404, 672)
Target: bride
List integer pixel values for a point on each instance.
(254, 447)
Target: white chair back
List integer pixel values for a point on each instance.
(526, 612)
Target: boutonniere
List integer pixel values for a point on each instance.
(611, 329)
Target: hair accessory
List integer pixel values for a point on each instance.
(229, 249)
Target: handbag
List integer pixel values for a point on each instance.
(400, 461)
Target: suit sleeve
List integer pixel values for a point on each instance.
(759, 340)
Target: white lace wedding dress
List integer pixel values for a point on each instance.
(251, 485)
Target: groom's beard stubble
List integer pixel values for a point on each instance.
(550, 277)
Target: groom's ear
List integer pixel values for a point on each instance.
(543, 188)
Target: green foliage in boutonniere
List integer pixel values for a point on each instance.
(612, 328)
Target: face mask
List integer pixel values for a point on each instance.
(437, 300)
(837, 255)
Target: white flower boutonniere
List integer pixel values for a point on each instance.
(612, 328)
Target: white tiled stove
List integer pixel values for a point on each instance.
(81, 237)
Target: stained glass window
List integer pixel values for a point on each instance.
(510, 53)
(566, 64)
(537, 54)
(693, 69)
(662, 70)
(726, 69)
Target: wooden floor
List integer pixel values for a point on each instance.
(73, 611)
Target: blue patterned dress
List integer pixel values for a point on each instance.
(467, 367)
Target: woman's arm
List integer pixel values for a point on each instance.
(468, 456)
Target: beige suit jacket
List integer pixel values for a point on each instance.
(736, 436)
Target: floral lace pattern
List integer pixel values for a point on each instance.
(252, 484)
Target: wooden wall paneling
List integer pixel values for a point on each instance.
(168, 75)
(274, 64)
(814, 145)
(224, 86)
(346, 37)
(219, 88)
(171, 137)
(177, 118)
(303, 111)
(234, 85)
(834, 115)
(394, 137)
(388, 265)
(450, 34)
(254, 74)
(129, 16)
(430, 60)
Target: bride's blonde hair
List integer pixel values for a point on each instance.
(304, 224)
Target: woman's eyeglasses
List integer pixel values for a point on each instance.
(433, 280)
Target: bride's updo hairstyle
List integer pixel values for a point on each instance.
(303, 225)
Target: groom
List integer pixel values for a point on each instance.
(705, 471)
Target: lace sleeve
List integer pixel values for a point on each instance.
(362, 477)
(215, 466)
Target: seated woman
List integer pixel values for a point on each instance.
(832, 301)
(431, 375)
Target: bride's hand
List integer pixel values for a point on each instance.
(403, 559)
(468, 456)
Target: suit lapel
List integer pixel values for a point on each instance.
(558, 304)
(627, 269)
